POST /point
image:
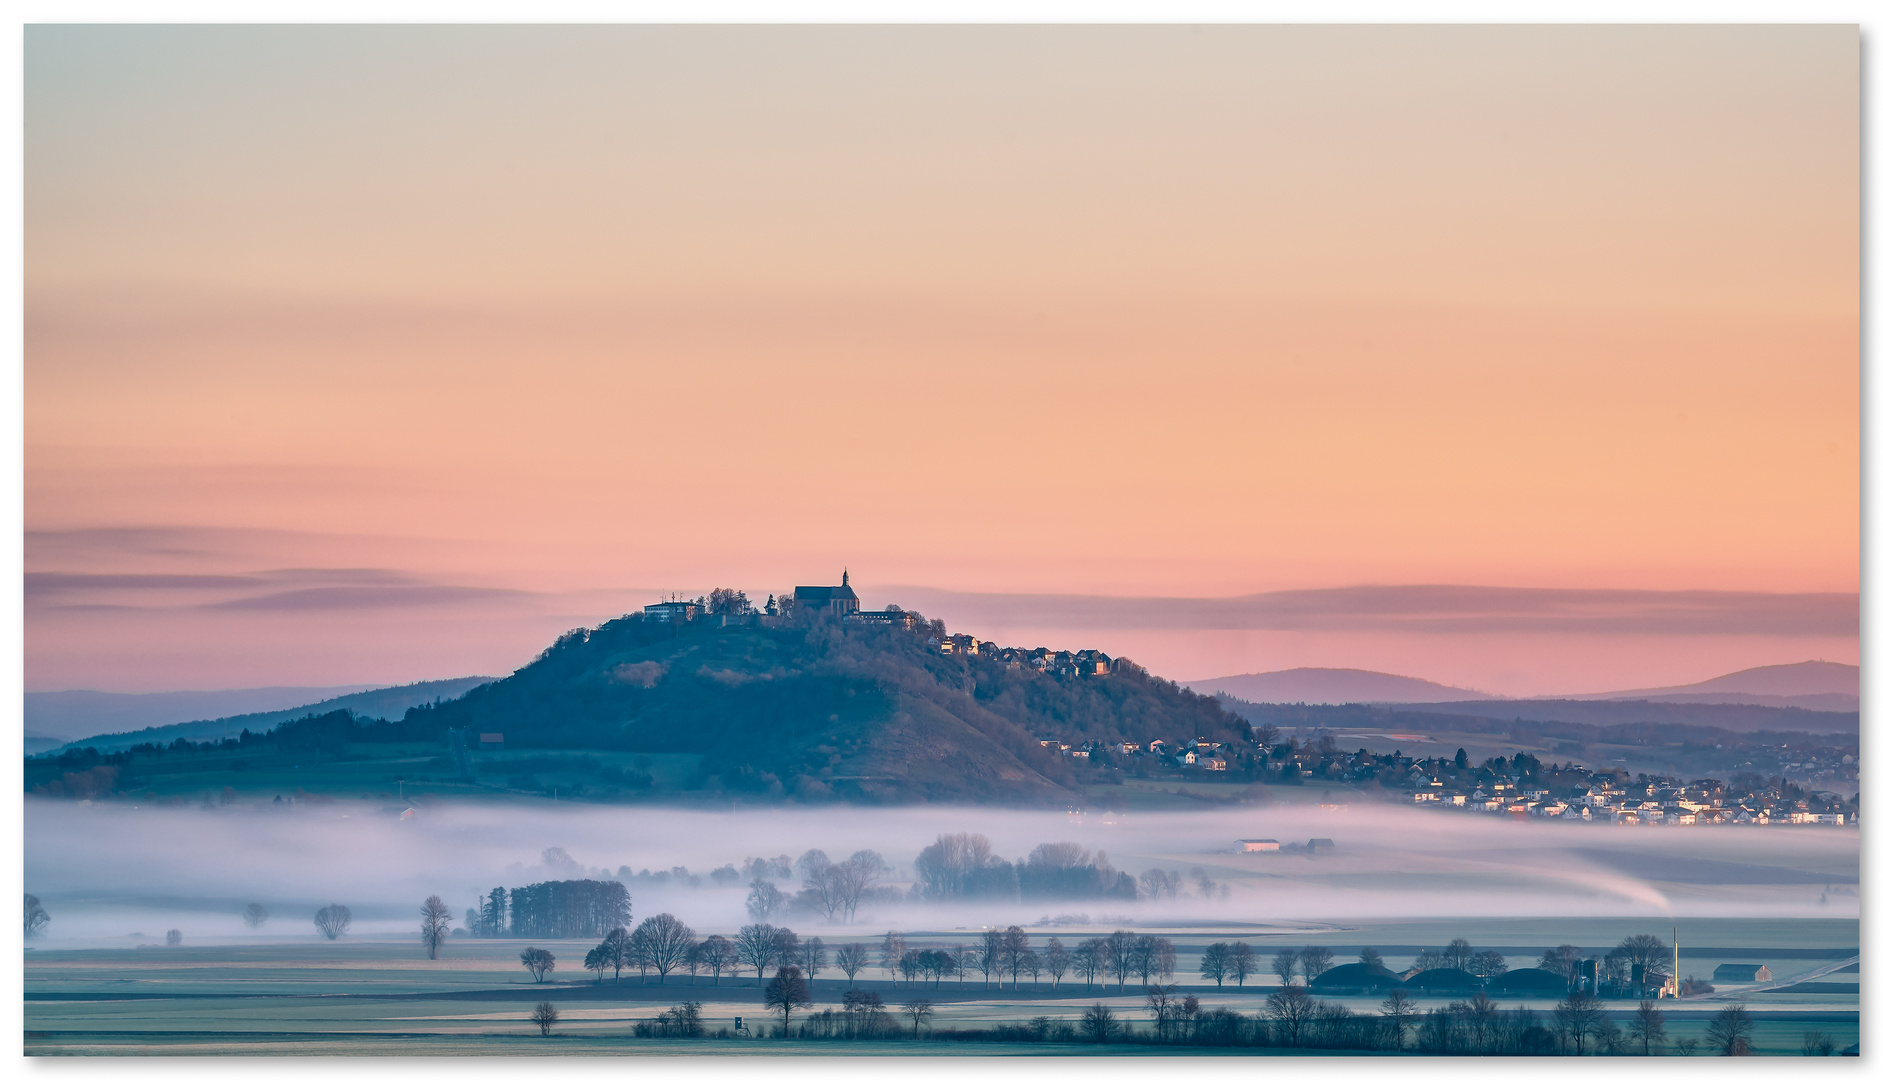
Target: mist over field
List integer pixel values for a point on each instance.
(107, 872)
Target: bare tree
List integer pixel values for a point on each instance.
(1577, 1018)
(1243, 961)
(764, 901)
(1120, 947)
(1088, 959)
(917, 1010)
(1375, 963)
(811, 955)
(1315, 960)
(1215, 963)
(851, 959)
(787, 991)
(1015, 951)
(1057, 960)
(1646, 952)
(890, 953)
(1647, 1026)
(333, 920)
(1486, 964)
(1400, 1014)
(1561, 960)
(1730, 1031)
(1163, 1009)
(617, 950)
(255, 916)
(1816, 1043)
(758, 946)
(1480, 1019)
(1290, 1010)
(173, 937)
(1458, 953)
(544, 1016)
(1162, 959)
(539, 962)
(717, 955)
(1284, 966)
(667, 942)
(36, 917)
(851, 880)
(434, 923)
(1099, 1024)
(987, 954)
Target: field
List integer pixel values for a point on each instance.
(380, 995)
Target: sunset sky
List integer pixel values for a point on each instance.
(375, 354)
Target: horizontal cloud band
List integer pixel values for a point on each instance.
(1419, 608)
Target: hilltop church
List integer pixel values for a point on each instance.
(839, 600)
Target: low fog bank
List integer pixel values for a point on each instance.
(107, 872)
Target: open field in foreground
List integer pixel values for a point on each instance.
(382, 996)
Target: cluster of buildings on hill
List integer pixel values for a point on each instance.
(1063, 662)
(728, 608)
(1200, 754)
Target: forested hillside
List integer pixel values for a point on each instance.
(874, 713)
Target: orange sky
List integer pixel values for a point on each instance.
(559, 317)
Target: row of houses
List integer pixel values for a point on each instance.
(1615, 809)
(1064, 663)
(1200, 754)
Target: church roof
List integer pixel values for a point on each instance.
(823, 594)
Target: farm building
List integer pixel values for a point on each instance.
(1742, 973)
(1444, 981)
(1259, 845)
(1354, 979)
(1529, 982)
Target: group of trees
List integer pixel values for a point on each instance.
(552, 909)
(963, 866)
(1289, 1018)
(832, 891)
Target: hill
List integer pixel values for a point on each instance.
(810, 709)
(1814, 684)
(68, 715)
(389, 702)
(1332, 686)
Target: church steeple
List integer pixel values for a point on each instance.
(846, 575)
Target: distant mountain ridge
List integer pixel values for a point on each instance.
(65, 715)
(389, 703)
(1334, 686)
(1814, 684)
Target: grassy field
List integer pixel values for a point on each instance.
(382, 996)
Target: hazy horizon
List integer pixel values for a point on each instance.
(1387, 861)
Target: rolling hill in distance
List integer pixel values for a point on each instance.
(386, 702)
(1333, 686)
(67, 715)
(1813, 684)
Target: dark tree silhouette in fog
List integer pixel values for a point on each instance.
(540, 962)
(544, 1016)
(787, 991)
(434, 923)
(333, 920)
(36, 917)
(255, 916)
